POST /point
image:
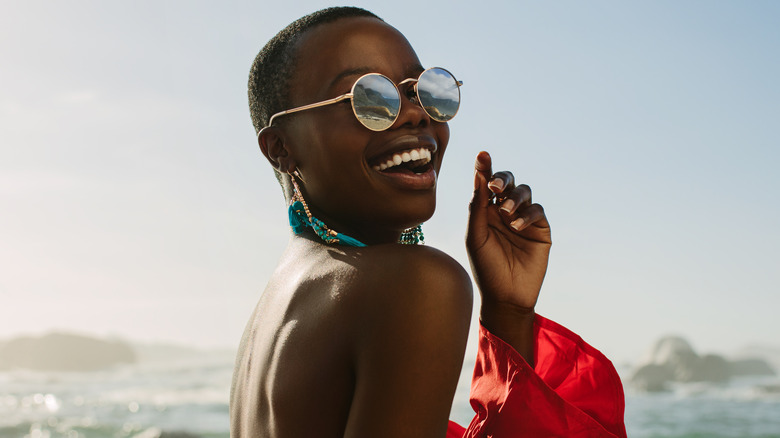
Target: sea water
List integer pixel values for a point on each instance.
(176, 399)
(743, 407)
(184, 399)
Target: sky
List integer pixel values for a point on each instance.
(134, 201)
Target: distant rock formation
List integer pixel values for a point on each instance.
(751, 367)
(672, 359)
(64, 352)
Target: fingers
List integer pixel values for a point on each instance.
(482, 174)
(515, 203)
(517, 209)
(484, 165)
(530, 215)
(480, 201)
(517, 197)
(501, 182)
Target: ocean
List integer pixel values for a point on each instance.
(189, 398)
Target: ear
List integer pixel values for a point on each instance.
(273, 145)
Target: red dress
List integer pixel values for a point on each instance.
(573, 391)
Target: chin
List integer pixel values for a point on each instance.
(413, 212)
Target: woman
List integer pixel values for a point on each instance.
(356, 335)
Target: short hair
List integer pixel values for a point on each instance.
(269, 77)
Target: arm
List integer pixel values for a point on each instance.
(532, 376)
(573, 391)
(508, 242)
(411, 335)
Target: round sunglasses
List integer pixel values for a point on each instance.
(376, 100)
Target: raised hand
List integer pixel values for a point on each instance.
(508, 242)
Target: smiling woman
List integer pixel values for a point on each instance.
(356, 335)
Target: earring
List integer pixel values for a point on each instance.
(300, 218)
(412, 236)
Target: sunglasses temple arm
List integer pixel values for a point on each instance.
(310, 106)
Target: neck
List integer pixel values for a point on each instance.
(369, 234)
(330, 231)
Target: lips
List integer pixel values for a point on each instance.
(406, 162)
(414, 157)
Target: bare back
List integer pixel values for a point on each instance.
(297, 369)
(293, 375)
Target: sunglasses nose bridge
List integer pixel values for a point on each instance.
(411, 112)
(410, 92)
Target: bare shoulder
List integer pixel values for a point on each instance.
(387, 284)
(411, 270)
(410, 310)
(409, 280)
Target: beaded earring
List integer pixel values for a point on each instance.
(300, 218)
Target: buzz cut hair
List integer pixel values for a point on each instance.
(269, 77)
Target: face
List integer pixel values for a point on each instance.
(340, 160)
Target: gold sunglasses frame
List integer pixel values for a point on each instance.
(351, 94)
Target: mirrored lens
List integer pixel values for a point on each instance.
(439, 94)
(376, 101)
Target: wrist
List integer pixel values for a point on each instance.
(506, 316)
(511, 323)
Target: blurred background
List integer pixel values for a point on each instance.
(139, 222)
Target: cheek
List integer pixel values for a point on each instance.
(443, 135)
(330, 156)
(319, 144)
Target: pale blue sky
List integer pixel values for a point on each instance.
(134, 201)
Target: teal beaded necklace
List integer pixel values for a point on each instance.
(301, 218)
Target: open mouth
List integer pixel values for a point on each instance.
(409, 161)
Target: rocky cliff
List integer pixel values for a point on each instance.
(672, 359)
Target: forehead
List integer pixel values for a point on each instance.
(350, 44)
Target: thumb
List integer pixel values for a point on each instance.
(477, 227)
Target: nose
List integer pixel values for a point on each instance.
(411, 114)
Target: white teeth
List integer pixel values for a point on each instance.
(405, 157)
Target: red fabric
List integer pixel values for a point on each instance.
(573, 391)
(455, 430)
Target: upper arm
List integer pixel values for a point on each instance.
(409, 347)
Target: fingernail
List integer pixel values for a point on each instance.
(517, 223)
(508, 205)
(497, 184)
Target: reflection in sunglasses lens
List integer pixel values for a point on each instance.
(376, 102)
(439, 94)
